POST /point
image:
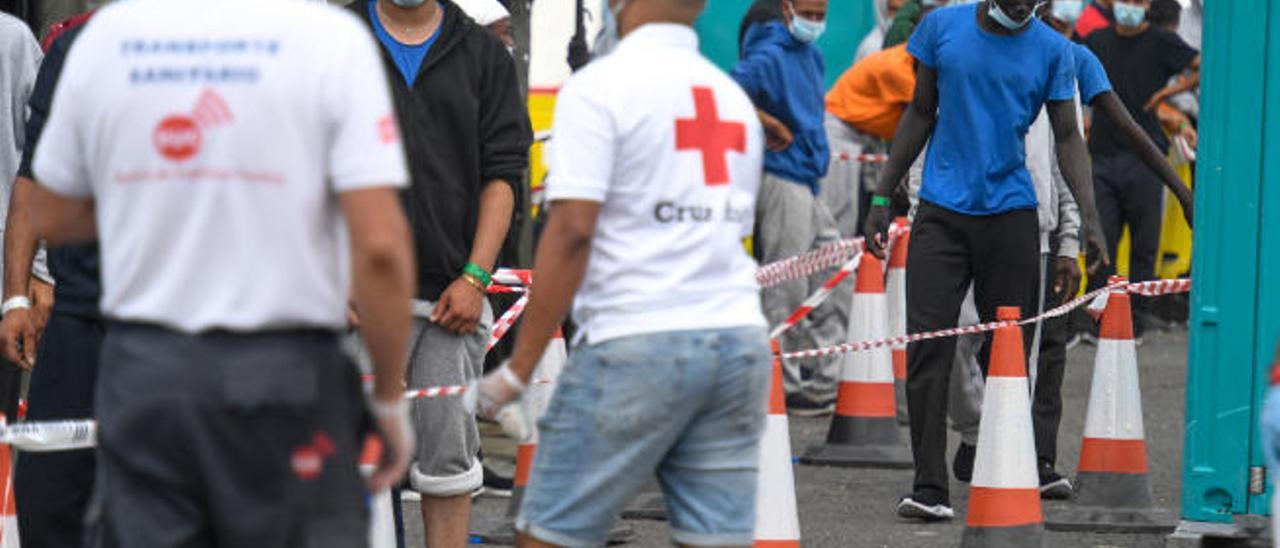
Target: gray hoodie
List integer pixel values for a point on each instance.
(18, 66)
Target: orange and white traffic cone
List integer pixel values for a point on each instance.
(1113, 490)
(777, 520)
(864, 430)
(896, 291)
(8, 508)
(382, 525)
(1004, 497)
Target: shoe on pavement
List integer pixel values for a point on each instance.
(496, 485)
(910, 509)
(962, 464)
(1052, 485)
(802, 406)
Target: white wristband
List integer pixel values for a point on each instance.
(14, 303)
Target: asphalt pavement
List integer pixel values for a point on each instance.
(854, 507)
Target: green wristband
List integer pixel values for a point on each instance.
(879, 200)
(479, 273)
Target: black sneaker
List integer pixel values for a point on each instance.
(1052, 485)
(910, 508)
(802, 406)
(962, 464)
(496, 485)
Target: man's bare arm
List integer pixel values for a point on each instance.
(461, 305)
(20, 328)
(561, 264)
(1109, 105)
(382, 286)
(62, 220)
(382, 282)
(20, 242)
(497, 203)
(913, 132)
(1189, 82)
(1073, 162)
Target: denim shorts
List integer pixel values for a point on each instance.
(686, 406)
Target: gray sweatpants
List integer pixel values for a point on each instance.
(967, 381)
(446, 462)
(790, 221)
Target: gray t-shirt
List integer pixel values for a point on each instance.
(18, 65)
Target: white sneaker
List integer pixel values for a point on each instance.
(909, 508)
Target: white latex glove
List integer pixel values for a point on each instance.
(497, 397)
(393, 423)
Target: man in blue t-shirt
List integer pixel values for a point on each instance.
(984, 72)
(1060, 285)
(782, 72)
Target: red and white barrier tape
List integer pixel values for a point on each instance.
(826, 257)
(863, 158)
(817, 297)
(82, 434)
(508, 319)
(496, 289)
(1150, 289)
(821, 295)
(513, 276)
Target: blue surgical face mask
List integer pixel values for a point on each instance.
(1129, 15)
(608, 37)
(1008, 22)
(1067, 11)
(805, 30)
(408, 4)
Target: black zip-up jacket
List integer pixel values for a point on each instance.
(463, 124)
(74, 267)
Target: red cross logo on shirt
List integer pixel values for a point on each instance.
(711, 136)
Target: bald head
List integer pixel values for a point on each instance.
(642, 12)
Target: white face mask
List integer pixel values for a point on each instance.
(608, 37)
(1067, 11)
(804, 29)
(1007, 22)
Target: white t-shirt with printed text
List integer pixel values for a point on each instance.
(215, 138)
(672, 149)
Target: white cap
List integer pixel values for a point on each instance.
(485, 12)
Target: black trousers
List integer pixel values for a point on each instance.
(1129, 193)
(1046, 407)
(53, 489)
(1000, 256)
(227, 440)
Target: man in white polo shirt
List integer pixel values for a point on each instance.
(240, 164)
(655, 166)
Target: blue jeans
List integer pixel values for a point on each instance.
(686, 406)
